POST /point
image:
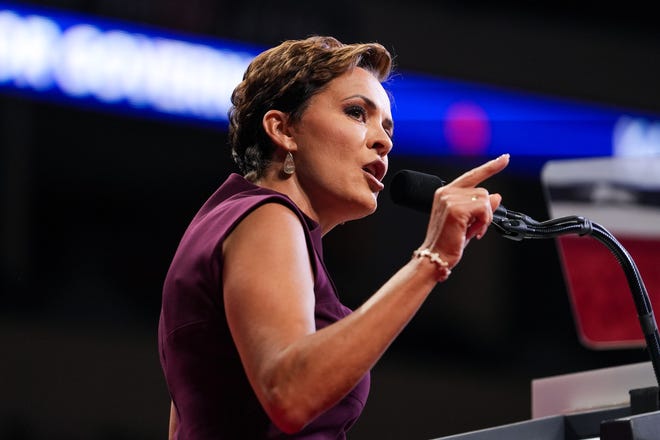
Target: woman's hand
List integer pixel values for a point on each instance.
(462, 210)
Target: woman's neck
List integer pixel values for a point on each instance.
(290, 186)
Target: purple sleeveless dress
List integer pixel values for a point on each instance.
(203, 371)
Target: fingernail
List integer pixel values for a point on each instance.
(500, 157)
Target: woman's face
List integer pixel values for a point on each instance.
(342, 141)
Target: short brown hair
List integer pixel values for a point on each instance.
(284, 78)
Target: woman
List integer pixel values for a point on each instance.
(254, 342)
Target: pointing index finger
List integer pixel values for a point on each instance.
(477, 175)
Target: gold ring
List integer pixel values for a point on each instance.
(475, 198)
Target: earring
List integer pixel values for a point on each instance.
(289, 166)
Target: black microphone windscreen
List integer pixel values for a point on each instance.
(414, 189)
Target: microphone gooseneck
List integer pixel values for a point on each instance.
(416, 190)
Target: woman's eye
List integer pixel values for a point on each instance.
(357, 112)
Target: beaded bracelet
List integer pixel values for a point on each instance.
(442, 265)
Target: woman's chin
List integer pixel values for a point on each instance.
(365, 206)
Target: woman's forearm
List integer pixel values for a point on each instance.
(312, 374)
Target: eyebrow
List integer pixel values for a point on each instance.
(388, 124)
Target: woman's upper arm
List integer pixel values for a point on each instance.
(173, 423)
(268, 289)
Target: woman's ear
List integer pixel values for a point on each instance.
(276, 126)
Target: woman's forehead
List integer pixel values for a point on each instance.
(359, 82)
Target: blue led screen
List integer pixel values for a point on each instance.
(83, 60)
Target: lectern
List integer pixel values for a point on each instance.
(619, 403)
(613, 424)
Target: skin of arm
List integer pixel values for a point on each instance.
(297, 372)
(292, 367)
(173, 422)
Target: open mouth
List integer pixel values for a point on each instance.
(376, 168)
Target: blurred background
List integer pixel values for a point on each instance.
(97, 188)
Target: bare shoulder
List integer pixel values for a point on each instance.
(269, 225)
(266, 258)
(268, 283)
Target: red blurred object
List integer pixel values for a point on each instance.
(601, 299)
(623, 196)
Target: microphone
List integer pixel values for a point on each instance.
(414, 189)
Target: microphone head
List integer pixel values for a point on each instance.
(414, 189)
